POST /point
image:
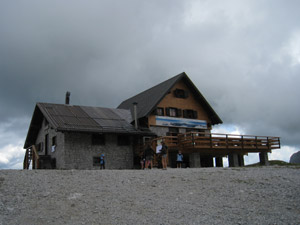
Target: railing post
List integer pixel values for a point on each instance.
(256, 142)
(210, 140)
(226, 141)
(193, 140)
(242, 142)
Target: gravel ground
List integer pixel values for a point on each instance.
(261, 195)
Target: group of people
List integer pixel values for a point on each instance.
(147, 156)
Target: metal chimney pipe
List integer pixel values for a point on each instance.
(67, 101)
(135, 115)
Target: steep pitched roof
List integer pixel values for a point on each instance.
(149, 99)
(80, 119)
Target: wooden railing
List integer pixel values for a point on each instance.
(170, 141)
(204, 140)
(227, 141)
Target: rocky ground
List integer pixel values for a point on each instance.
(261, 195)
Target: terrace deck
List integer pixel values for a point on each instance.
(219, 144)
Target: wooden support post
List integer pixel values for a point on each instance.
(226, 141)
(194, 159)
(25, 162)
(241, 160)
(242, 142)
(263, 158)
(233, 160)
(219, 161)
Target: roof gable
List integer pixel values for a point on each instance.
(149, 99)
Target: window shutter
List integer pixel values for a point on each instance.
(175, 93)
(168, 111)
(179, 112)
(195, 114)
(185, 113)
(186, 94)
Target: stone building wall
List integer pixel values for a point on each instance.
(74, 150)
(80, 152)
(57, 151)
(159, 131)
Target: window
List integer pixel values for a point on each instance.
(98, 139)
(189, 113)
(174, 112)
(54, 143)
(179, 93)
(123, 140)
(159, 111)
(53, 147)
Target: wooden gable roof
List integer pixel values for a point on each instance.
(149, 99)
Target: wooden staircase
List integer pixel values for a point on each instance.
(31, 157)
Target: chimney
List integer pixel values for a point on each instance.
(135, 115)
(67, 102)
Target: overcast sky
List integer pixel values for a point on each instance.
(243, 56)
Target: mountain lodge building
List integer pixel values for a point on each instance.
(65, 136)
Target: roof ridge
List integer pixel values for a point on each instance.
(155, 86)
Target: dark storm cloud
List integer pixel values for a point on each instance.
(51, 47)
(241, 55)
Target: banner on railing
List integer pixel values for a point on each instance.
(180, 122)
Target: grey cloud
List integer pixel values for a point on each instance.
(106, 51)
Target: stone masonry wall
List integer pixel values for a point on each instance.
(75, 150)
(56, 152)
(79, 152)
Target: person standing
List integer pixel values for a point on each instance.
(102, 162)
(179, 159)
(164, 154)
(142, 160)
(149, 153)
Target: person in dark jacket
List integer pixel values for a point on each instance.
(102, 162)
(149, 153)
(164, 154)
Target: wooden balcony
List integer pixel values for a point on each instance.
(219, 143)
